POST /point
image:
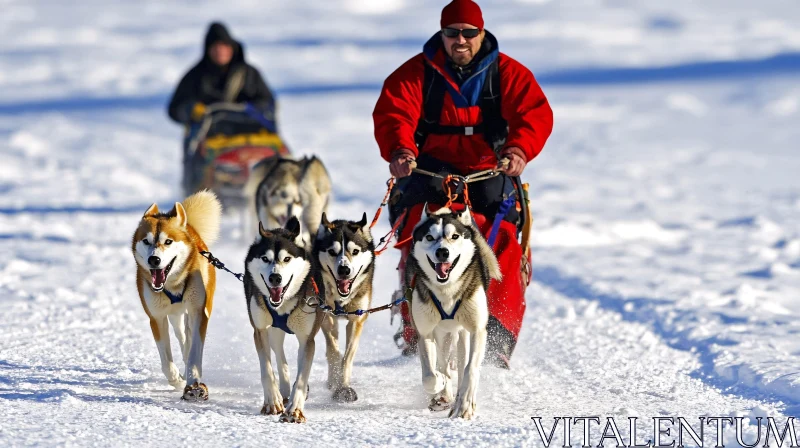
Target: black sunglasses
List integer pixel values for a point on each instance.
(468, 33)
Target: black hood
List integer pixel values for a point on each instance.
(217, 32)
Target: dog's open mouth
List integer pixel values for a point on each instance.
(344, 286)
(276, 294)
(158, 277)
(443, 270)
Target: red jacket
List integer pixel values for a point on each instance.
(524, 106)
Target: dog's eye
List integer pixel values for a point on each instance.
(146, 243)
(355, 251)
(265, 259)
(455, 236)
(331, 252)
(429, 238)
(287, 259)
(168, 242)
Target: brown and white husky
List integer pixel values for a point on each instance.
(176, 283)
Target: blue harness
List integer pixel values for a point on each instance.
(339, 310)
(280, 321)
(442, 314)
(173, 298)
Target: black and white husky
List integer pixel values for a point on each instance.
(279, 275)
(346, 256)
(448, 274)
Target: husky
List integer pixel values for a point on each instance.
(300, 188)
(279, 276)
(176, 283)
(447, 276)
(346, 255)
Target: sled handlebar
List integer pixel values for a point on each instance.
(502, 165)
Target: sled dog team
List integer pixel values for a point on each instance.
(292, 260)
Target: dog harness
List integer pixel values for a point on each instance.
(174, 298)
(339, 310)
(280, 321)
(444, 315)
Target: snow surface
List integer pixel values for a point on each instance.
(666, 241)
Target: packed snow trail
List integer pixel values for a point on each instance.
(82, 368)
(666, 203)
(78, 364)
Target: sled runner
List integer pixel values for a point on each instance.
(221, 151)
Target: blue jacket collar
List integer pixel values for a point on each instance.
(468, 94)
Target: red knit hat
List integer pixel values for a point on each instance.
(462, 11)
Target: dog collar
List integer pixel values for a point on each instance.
(173, 298)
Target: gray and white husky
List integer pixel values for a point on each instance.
(279, 275)
(346, 255)
(289, 187)
(448, 274)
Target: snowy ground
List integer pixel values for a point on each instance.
(666, 243)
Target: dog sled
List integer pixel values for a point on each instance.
(222, 151)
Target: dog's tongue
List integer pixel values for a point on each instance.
(344, 286)
(159, 277)
(442, 268)
(275, 294)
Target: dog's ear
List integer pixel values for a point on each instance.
(361, 226)
(293, 226)
(263, 232)
(465, 217)
(180, 214)
(365, 226)
(325, 227)
(153, 210)
(426, 214)
(355, 226)
(324, 222)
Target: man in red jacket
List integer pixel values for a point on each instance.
(459, 107)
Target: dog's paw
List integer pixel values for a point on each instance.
(334, 379)
(463, 408)
(439, 403)
(195, 392)
(178, 383)
(274, 409)
(274, 404)
(295, 416)
(345, 395)
(433, 384)
(174, 377)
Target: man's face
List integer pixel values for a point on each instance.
(460, 49)
(220, 53)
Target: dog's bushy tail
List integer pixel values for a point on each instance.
(204, 213)
(488, 256)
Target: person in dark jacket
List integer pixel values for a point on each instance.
(222, 75)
